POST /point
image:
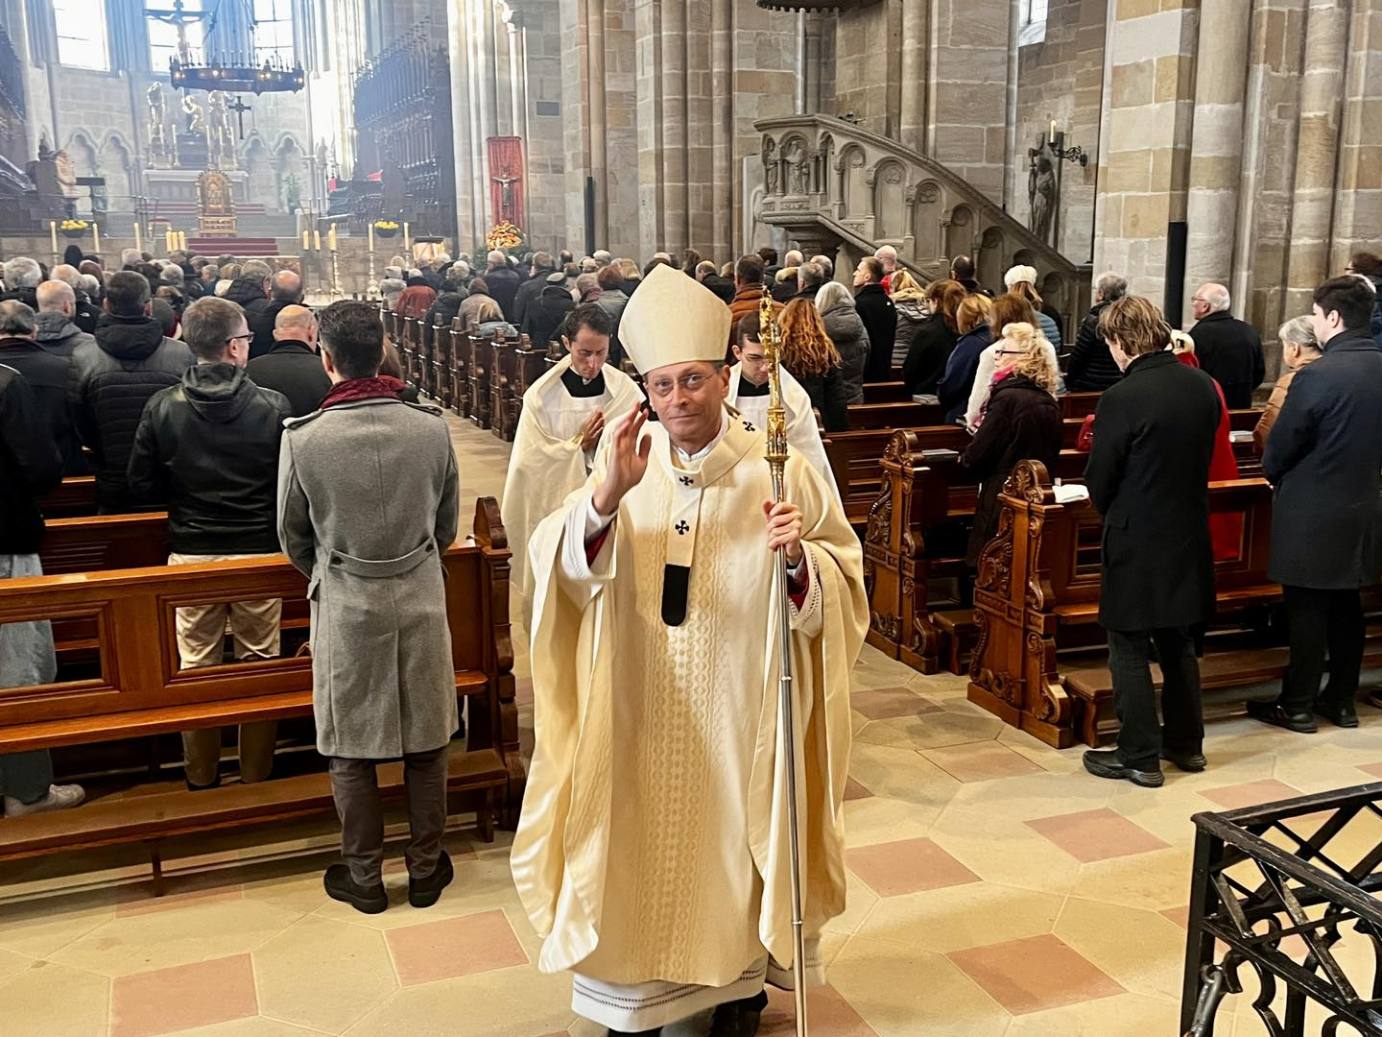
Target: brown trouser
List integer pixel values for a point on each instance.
(354, 784)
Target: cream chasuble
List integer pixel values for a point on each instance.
(547, 461)
(651, 855)
(803, 434)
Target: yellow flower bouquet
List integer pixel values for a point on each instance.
(505, 237)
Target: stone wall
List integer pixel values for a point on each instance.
(546, 187)
(1060, 79)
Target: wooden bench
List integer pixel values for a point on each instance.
(139, 691)
(925, 495)
(505, 400)
(75, 496)
(478, 370)
(1039, 663)
(887, 392)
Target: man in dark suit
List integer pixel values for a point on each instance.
(286, 290)
(1229, 350)
(1323, 456)
(1148, 475)
(879, 315)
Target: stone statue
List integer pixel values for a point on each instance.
(1041, 191)
(770, 166)
(797, 166)
(156, 113)
(222, 136)
(193, 111)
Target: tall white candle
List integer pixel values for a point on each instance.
(371, 235)
(405, 237)
(96, 232)
(138, 241)
(331, 237)
(53, 229)
(317, 240)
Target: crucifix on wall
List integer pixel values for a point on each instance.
(239, 107)
(506, 179)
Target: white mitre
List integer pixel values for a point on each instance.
(673, 319)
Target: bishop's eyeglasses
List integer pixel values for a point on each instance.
(662, 387)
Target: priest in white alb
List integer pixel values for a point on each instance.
(564, 413)
(651, 855)
(749, 395)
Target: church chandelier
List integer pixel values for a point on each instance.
(235, 72)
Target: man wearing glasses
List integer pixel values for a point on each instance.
(207, 449)
(651, 854)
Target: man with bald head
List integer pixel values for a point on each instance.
(293, 367)
(58, 331)
(1229, 350)
(285, 289)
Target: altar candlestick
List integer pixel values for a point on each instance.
(316, 241)
(138, 241)
(1053, 131)
(331, 237)
(306, 240)
(53, 229)
(405, 238)
(96, 232)
(371, 235)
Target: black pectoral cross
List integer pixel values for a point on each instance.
(239, 107)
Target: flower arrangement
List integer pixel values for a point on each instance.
(74, 228)
(386, 228)
(505, 237)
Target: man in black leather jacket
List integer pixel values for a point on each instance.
(208, 449)
(114, 376)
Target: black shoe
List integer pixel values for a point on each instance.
(1191, 763)
(340, 886)
(426, 892)
(1273, 713)
(739, 1018)
(640, 1033)
(1108, 763)
(202, 788)
(1340, 714)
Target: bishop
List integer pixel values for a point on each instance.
(652, 855)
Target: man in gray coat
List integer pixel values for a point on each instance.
(367, 505)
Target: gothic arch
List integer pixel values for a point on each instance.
(928, 209)
(854, 189)
(290, 166)
(992, 255)
(959, 232)
(889, 204)
(118, 167)
(83, 153)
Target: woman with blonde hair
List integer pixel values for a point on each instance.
(910, 302)
(812, 359)
(934, 339)
(1011, 308)
(1023, 422)
(976, 335)
(1299, 348)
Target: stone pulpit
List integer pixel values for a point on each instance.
(217, 217)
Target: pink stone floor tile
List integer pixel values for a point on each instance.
(828, 1014)
(1250, 794)
(1034, 974)
(1096, 835)
(907, 866)
(1375, 769)
(1179, 915)
(454, 947)
(981, 762)
(885, 703)
(184, 996)
(854, 790)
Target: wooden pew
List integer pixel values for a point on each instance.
(139, 691)
(896, 414)
(504, 403)
(440, 375)
(75, 496)
(1039, 664)
(458, 373)
(925, 493)
(886, 392)
(478, 368)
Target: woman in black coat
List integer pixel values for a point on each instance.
(1022, 422)
(934, 340)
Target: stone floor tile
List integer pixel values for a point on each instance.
(958, 917)
(454, 947)
(1122, 1014)
(1027, 860)
(882, 703)
(907, 866)
(969, 763)
(1035, 973)
(162, 1001)
(1095, 835)
(902, 774)
(854, 789)
(1143, 950)
(1150, 880)
(1249, 794)
(827, 1013)
(197, 932)
(41, 926)
(323, 973)
(254, 1026)
(51, 1000)
(879, 819)
(934, 729)
(13, 964)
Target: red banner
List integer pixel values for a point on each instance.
(506, 187)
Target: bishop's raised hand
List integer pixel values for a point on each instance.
(628, 461)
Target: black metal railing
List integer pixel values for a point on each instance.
(1277, 888)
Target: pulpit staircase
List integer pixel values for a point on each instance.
(829, 183)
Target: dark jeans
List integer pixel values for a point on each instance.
(355, 787)
(1319, 622)
(26, 776)
(1141, 738)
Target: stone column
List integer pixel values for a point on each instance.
(722, 128)
(673, 69)
(649, 86)
(967, 103)
(1216, 144)
(599, 160)
(1358, 213)
(915, 33)
(1145, 143)
(1317, 146)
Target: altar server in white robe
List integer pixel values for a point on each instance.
(749, 395)
(564, 414)
(651, 855)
